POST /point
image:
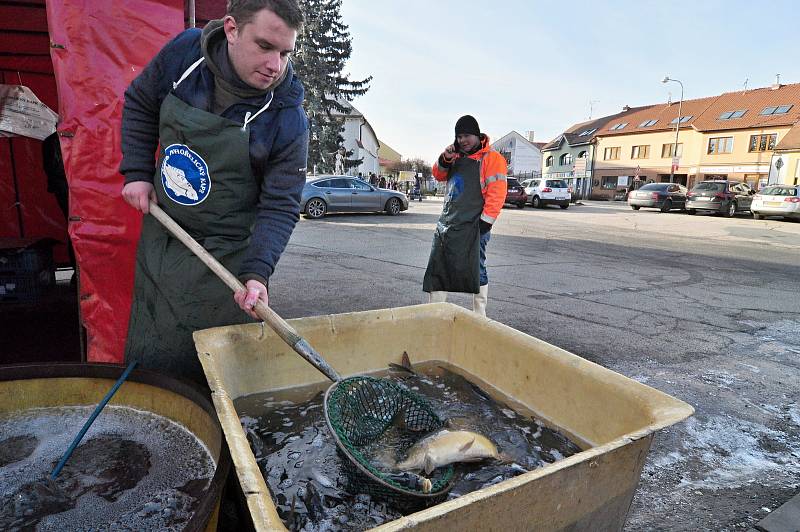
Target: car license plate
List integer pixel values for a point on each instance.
(773, 203)
(703, 198)
(561, 197)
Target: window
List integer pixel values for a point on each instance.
(549, 161)
(640, 152)
(654, 186)
(617, 127)
(730, 115)
(779, 191)
(565, 159)
(323, 184)
(609, 182)
(648, 123)
(582, 155)
(763, 142)
(710, 186)
(720, 145)
(359, 185)
(610, 154)
(339, 183)
(587, 132)
(668, 150)
(684, 119)
(777, 110)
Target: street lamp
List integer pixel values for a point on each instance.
(677, 128)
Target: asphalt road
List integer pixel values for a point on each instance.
(701, 307)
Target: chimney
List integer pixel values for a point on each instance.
(529, 135)
(626, 108)
(777, 84)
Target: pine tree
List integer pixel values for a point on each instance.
(323, 48)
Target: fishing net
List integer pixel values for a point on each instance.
(359, 412)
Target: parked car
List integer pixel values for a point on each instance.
(663, 196)
(543, 192)
(777, 200)
(515, 194)
(340, 193)
(723, 196)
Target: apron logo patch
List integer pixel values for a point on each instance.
(455, 186)
(184, 175)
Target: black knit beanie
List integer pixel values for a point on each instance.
(468, 125)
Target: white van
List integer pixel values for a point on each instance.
(543, 191)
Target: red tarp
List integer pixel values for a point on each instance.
(100, 48)
(26, 208)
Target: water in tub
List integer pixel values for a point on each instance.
(133, 470)
(299, 460)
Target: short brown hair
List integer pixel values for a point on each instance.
(289, 11)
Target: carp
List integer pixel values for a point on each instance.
(175, 179)
(447, 447)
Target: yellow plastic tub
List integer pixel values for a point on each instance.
(612, 417)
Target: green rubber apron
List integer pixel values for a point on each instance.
(204, 181)
(454, 262)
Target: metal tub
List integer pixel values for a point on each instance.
(40, 386)
(612, 417)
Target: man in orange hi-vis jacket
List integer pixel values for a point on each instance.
(476, 191)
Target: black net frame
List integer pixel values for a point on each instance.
(358, 411)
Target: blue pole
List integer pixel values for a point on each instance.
(91, 419)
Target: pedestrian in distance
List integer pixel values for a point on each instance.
(475, 177)
(382, 182)
(224, 109)
(341, 155)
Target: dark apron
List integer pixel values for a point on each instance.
(204, 181)
(453, 265)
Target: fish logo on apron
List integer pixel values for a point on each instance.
(184, 175)
(455, 186)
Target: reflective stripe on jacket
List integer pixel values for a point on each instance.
(493, 178)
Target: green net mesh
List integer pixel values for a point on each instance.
(361, 411)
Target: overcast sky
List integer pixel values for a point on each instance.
(529, 65)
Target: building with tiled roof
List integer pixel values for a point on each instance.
(570, 155)
(735, 135)
(785, 164)
(359, 138)
(386, 157)
(523, 156)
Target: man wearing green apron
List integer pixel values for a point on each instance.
(475, 193)
(222, 109)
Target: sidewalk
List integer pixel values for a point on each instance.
(785, 518)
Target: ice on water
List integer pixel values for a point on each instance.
(306, 475)
(133, 470)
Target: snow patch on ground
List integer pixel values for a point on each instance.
(727, 453)
(794, 414)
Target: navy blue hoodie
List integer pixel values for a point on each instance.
(278, 142)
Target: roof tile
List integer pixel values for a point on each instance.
(705, 116)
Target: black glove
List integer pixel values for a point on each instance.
(485, 227)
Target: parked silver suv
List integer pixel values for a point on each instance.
(543, 191)
(722, 196)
